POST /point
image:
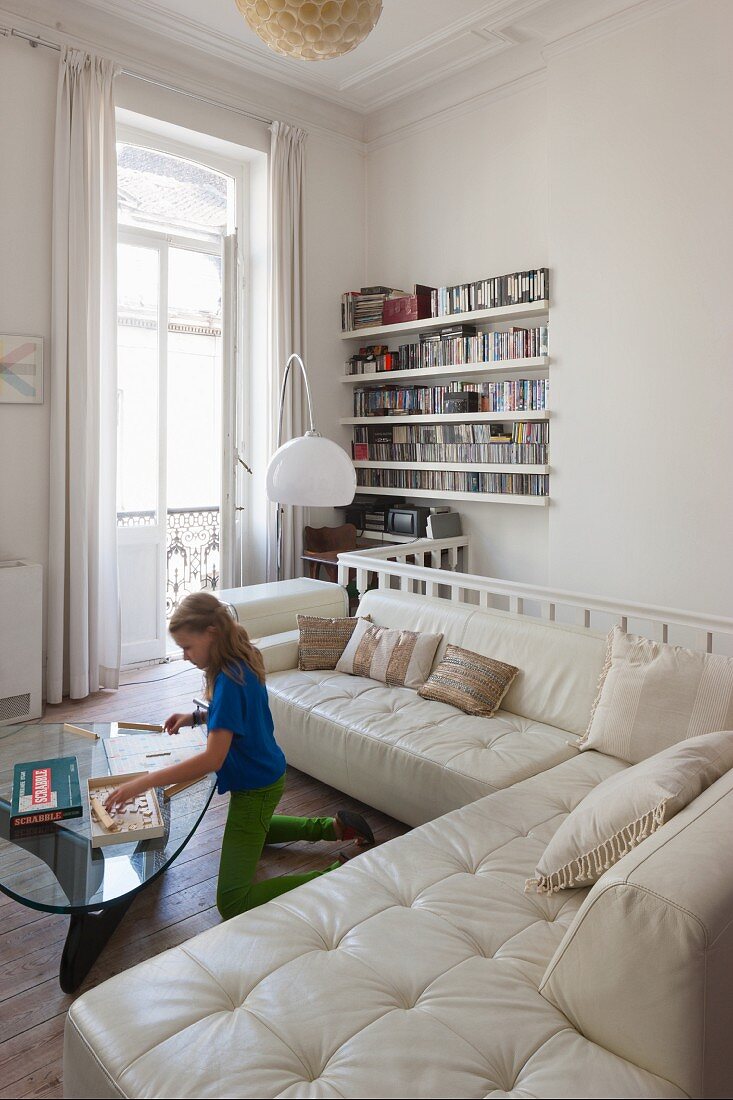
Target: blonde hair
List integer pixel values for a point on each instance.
(230, 641)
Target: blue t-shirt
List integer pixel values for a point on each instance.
(254, 759)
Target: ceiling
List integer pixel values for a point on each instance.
(416, 43)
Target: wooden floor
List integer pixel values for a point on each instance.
(177, 906)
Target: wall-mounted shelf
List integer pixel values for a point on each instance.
(441, 494)
(466, 372)
(472, 317)
(449, 418)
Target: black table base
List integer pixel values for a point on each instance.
(88, 932)
(87, 936)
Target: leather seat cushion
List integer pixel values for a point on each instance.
(410, 757)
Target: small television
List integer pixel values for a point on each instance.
(409, 520)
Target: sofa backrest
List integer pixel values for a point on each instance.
(646, 968)
(559, 665)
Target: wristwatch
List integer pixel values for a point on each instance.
(198, 716)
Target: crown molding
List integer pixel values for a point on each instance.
(229, 78)
(155, 18)
(408, 87)
(225, 87)
(515, 86)
(481, 23)
(611, 24)
(188, 32)
(536, 62)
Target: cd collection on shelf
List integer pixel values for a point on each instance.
(365, 308)
(446, 343)
(445, 349)
(519, 395)
(454, 481)
(524, 442)
(503, 290)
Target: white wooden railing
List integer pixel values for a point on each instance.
(442, 554)
(712, 633)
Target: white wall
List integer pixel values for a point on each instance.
(335, 261)
(460, 201)
(618, 176)
(641, 238)
(27, 117)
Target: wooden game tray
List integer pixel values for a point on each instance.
(100, 787)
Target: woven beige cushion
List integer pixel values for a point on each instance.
(322, 641)
(400, 658)
(469, 681)
(629, 806)
(652, 695)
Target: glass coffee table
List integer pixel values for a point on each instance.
(59, 871)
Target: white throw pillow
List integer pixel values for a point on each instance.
(628, 807)
(652, 695)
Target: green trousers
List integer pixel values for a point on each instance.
(250, 825)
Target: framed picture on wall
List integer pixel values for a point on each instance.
(21, 370)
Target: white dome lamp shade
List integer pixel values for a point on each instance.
(309, 471)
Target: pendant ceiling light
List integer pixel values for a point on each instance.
(311, 30)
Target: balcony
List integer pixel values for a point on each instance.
(191, 552)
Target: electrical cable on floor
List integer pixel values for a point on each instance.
(159, 680)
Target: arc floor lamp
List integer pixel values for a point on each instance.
(309, 471)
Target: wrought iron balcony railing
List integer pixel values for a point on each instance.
(192, 549)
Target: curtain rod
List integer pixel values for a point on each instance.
(36, 40)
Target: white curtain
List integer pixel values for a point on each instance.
(287, 321)
(83, 600)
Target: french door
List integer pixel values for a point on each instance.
(176, 337)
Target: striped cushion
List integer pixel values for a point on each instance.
(652, 695)
(469, 681)
(400, 658)
(322, 641)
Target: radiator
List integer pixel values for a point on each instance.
(21, 641)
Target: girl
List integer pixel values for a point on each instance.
(242, 750)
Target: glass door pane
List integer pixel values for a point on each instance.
(140, 485)
(194, 443)
(138, 283)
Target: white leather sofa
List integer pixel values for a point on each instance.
(416, 759)
(423, 968)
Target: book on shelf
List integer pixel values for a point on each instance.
(45, 791)
(409, 307)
